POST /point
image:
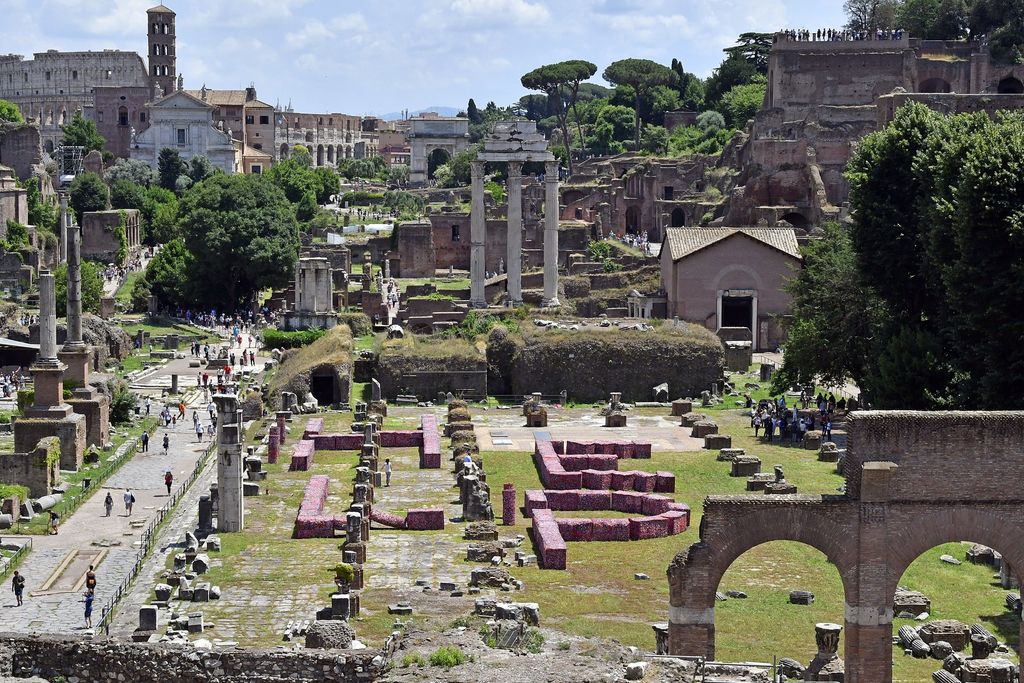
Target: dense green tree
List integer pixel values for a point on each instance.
(655, 140)
(242, 232)
(152, 233)
(305, 210)
(133, 170)
(730, 73)
(200, 168)
(691, 87)
(398, 175)
(294, 177)
(163, 227)
(9, 112)
(92, 287)
(835, 315)
(934, 19)
(169, 167)
(472, 113)
(614, 123)
(42, 213)
(561, 83)
(753, 48)
(88, 192)
(169, 275)
(82, 133)
(125, 194)
(327, 183)
(742, 102)
(869, 15)
(641, 75)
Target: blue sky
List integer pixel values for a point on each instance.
(379, 56)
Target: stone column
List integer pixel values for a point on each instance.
(273, 444)
(62, 245)
(75, 353)
(47, 321)
(230, 506)
(477, 236)
(514, 259)
(551, 233)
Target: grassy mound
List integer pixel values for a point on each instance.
(331, 352)
(425, 365)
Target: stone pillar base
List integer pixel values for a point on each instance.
(48, 381)
(96, 409)
(70, 430)
(696, 640)
(77, 361)
(551, 303)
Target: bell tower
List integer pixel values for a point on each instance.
(162, 59)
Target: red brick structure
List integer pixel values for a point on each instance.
(914, 480)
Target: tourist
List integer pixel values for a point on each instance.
(54, 522)
(145, 441)
(88, 609)
(769, 428)
(168, 481)
(199, 431)
(387, 471)
(108, 504)
(826, 430)
(756, 422)
(181, 409)
(18, 586)
(147, 405)
(90, 579)
(129, 501)
(212, 409)
(167, 443)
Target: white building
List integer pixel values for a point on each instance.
(185, 123)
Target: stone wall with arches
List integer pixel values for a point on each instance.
(915, 480)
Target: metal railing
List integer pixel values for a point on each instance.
(149, 536)
(16, 558)
(97, 477)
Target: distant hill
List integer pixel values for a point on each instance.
(441, 111)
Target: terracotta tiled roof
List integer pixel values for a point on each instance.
(161, 8)
(220, 98)
(682, 242)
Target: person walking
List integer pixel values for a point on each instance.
(88, 608)
(181, 410)
(147, 405)
(168, 480)
(18, 586)
(108, 503)
(199, 431)
(167, 443)
(90, 579)
(145, 441)
(129, 501)
(387, 472)
(54, 522)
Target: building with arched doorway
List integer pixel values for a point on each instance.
(730, 277)
(432, 140)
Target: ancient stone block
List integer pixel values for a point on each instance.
(717, 441)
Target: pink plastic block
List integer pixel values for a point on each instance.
(642, 528)
(594, 479)
(610, 529)
(559, 447)
(665, 482)
(678, 521)
(595, 500)
(681, 507)
(655, 504)
(644, 481)
(602, 461)
(575, 463)
(314, 426)
(548, 540)
(508, 505)
(535, 500)
(575, 529)
(387, 519)
(564, 480)
(424, 519)
(429, 442)
(624, 450)
(628, 501)
(641, 450)
(397, 438)
(578, 448)
(622, 481)
(563, 500)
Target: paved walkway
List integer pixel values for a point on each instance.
(61, 609)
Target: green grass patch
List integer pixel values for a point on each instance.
(448, 656)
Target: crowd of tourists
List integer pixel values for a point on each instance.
(776, 422)
(833, 35)
(636, 241)
(11, 380)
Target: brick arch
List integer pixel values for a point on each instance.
(730, 528)
(913, 535)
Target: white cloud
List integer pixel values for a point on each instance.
(345, 27)
(518, 12)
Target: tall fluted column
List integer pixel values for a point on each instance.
(551, 211)
(74, 241)
(514, 261)
(62, 236)
(477, 235)
(47, 321)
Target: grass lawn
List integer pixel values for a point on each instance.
(124, 292)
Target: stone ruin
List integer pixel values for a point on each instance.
(535, 412)
(615, 411)
(827, 665)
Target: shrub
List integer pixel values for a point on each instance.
(362, 198)
(414, 659)
(279, 339)
(534, 641)
(435, 296)
(447, 656)
(344, 572)
(11, 490)
(26, 397)
(462, 622)
(358, 322)
(122, 401)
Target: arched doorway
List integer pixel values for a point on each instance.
(797, 220)
(319, 155)
(935, 85)
(978, 599)
(678, 217)
(766, 574)
(1010, 86)
(436, 158)
(633, 219)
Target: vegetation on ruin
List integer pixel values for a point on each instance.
(929, 275)
(9, 112)
(122, 401)
(13, 491)
(447, 656)
(88, 192)
(92, 287)
(333, 348)
(81, 132)
(282, 339)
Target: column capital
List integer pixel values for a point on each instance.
(515, 169)
(476, 166)
(551, 170)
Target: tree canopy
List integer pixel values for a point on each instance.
(9, 112)
(561, 83)
(88, 192)
(641, 75)
(92, 287)
(82, 133)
